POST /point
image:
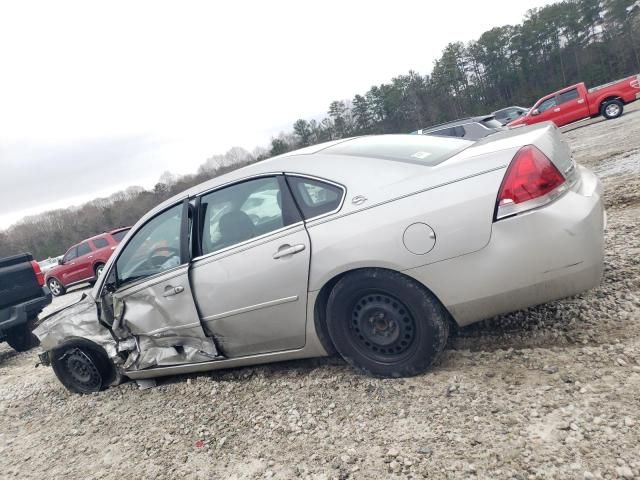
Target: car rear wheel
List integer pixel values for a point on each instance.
(385, 323)
(56, 287)
(82, 369)
(612, 109)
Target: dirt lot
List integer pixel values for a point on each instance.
(552, 392)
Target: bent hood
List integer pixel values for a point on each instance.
(79, 320)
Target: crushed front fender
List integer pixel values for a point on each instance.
(79, 320)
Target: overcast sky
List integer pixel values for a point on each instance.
(95, 97)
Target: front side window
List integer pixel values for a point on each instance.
(153, 249)
(243, 211)
(71, 254)
(547, 104)
(315, 197)
(568, 96)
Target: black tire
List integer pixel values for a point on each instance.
(82, 367)
(612, 109)
(55, 287)
(385, 323)
(22, 339)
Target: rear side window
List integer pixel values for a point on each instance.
(83, 249)
(118, 236)
(100, 243)
(315, 197)
(568, 96)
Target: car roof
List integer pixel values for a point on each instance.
(322, 161)
(100, 235)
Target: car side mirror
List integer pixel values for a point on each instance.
(535, 111)
(61, 261)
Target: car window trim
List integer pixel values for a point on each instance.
(75, 249)
(565, 92)
(555, 97)
(282, 185)
(155, 279)
(318, 179)
(121, 248)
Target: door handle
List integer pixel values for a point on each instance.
(170, 291)
(581, 100)
(556, 109)
(286, 250)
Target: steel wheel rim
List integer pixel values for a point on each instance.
(82, 371)
(99, 270)
(612, 110)
(54, 286)
(381, 326)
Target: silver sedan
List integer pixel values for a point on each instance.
(369, 247)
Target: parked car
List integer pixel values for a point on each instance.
(508, 114)
(472, 128)
(575, 103)
(49, 263)
(83, 262)
(22, 297)
(377, 244)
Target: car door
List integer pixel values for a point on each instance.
(546, 110)
(572, 107)
(250, 281)
(67, 266)
(153, 300)
(82, 267)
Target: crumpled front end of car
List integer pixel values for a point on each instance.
(78, 321)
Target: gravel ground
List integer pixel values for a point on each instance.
(551, 392)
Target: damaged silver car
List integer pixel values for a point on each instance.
(368, 247)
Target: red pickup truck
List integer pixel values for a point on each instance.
(577, 103)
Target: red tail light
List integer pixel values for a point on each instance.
(38, 272)
(528, 183)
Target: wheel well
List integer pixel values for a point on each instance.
(320, 307)
(605, 100)
(106, 367)
(95, 267)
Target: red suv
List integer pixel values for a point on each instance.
(84, 262)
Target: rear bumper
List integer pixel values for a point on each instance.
(20, 314)
(542, 255)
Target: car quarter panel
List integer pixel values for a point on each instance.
(460, 213)
(542, 255)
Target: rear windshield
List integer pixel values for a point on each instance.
(420, 149)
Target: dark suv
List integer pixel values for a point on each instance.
(84, 262)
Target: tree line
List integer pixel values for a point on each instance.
(595, 41)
